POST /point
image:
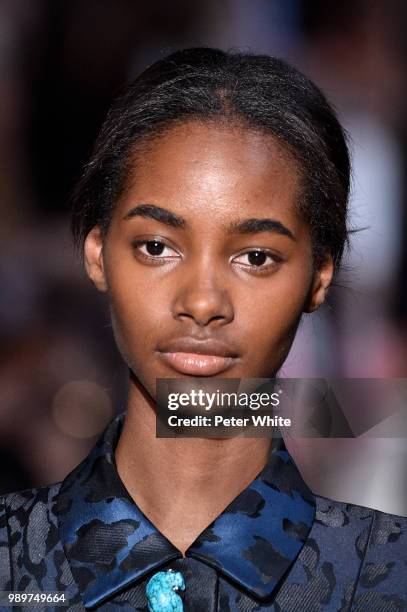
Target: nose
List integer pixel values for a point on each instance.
(202, 298)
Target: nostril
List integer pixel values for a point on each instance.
(201, 320)
(203, 307)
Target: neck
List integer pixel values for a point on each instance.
(182, 484)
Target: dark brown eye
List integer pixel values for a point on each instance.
(258, 261)
(156, 251)
(257, 258)
(153, 247)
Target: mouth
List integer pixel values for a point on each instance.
(196, 364)
(197, 357)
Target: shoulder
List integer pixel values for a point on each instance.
(27, 519)
(374, 542)
(381, 530)
(30, 501)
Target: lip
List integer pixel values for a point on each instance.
(198, 357)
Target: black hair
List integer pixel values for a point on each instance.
(257, 91)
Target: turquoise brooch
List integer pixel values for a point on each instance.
(162, 592)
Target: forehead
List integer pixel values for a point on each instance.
(225, 170)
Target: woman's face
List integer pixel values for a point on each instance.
(207, 264)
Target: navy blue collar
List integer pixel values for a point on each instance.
(110, 543)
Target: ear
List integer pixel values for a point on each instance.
(93, 255)
(320, 284)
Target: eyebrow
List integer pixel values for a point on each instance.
(247, 226)
(255, 226)
(151, 211)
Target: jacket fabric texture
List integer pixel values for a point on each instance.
(275, 547)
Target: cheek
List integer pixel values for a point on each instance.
(137, 312)
(271, 316)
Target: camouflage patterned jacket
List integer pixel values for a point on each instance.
(275, 547)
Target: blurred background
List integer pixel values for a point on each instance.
(61, 63)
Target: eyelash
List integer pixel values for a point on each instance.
(264, 268)
(160, 259)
